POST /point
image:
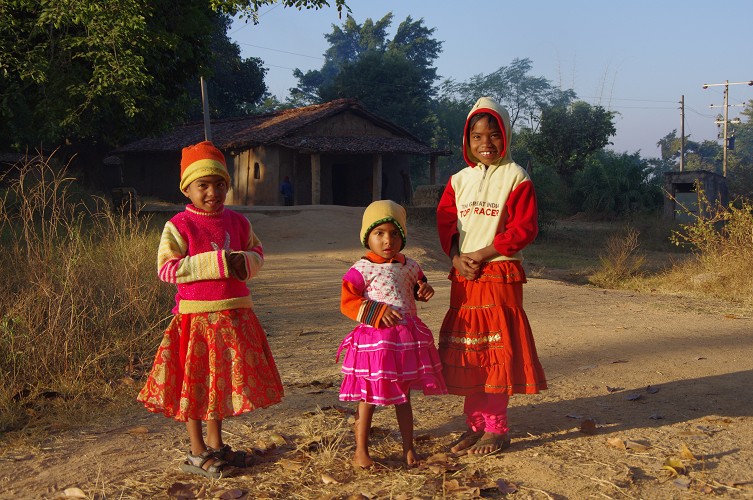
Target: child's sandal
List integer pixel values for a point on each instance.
(234, 458)
(194, 464)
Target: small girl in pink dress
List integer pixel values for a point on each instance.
(391, 351)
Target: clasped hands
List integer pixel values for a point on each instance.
(468, 265)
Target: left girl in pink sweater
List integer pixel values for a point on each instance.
(214, 360)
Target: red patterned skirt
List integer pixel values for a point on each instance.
(485, 342)
(210, 366)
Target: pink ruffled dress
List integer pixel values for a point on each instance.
(383, 364)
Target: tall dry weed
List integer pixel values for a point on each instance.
(721, 239)
(81, 302)
(621, 259)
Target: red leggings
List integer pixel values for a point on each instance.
(486, 412)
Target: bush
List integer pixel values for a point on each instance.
(721, 238)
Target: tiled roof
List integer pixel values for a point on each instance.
(280, 127)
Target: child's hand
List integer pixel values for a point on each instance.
(466, 266)
(424, 292)
(391, 317)
(237, 263)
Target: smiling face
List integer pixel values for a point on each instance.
(207, 193)
(486, 140)
(385, 240)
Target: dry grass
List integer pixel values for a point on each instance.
(81, 306)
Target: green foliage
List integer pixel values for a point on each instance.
(706, 155)
(392, 78)
(568, 135)
(235, 85)
(524, 96)
(250, 8)
(81, 71)
(614, 184)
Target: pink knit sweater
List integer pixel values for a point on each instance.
(193, 254)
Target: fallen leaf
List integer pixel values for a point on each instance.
(436, 468)
(635, 446)
(619, 361)
(230, 494)
(74, 493)
(422, 437)
(181, 490)
(452, 485)
(138, 430)
(675, 464)
(506, 488)
(588, 426)
(290, 465)
(327, 479)
(616, 442)
(614, 389)
(686, 453)
(278, 439)
(682, 482)
(438, 458)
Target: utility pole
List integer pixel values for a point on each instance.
(682, 132)
(725, 119)
(205, 106)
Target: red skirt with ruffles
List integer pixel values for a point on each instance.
(485, 342)
(212, 365)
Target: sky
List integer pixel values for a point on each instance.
(637, 58)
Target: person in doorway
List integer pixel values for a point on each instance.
(286, 189)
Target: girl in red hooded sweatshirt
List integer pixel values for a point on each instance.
(486, 216)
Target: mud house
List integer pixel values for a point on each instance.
(335, 153)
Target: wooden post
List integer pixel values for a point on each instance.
(376, 183)
(316, 179)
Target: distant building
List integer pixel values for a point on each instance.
(337, 153)
(681, 192)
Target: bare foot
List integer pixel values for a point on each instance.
(465, 441)
(363, 460)
(411, 458)
(490, 442)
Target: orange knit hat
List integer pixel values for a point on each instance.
(200, 160)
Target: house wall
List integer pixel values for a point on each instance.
(256, 175)
(154, 175)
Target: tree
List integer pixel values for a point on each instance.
(87, 71)
(740, 159)
(235, 85)
(614, 184)
(393, 78)
(524, 96)
(568, 135)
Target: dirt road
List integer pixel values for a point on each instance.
(650, 397)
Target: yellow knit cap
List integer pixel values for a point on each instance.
(380, 212)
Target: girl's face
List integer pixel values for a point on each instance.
(385, 240)
(207, 193)
(486, 141)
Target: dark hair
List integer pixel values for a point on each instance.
(479, 116)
